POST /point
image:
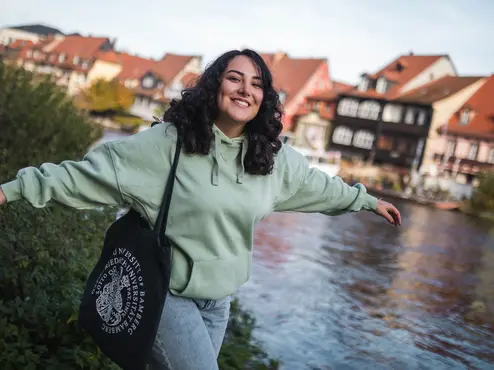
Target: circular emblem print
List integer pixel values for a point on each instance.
(120, 293)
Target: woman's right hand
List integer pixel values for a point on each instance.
(2, 197)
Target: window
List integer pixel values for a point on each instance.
(369, 110)
(450, 148)
(36, 54)
(385, 143)
(342, 135)
(29, 53)
(421, 118)
(465, 117)
(410, 116)
(364, 84)
(392, 113)
(472, 154)
(85, 64)
(348, 107)
(148, 82)
(363, 139)
(382, 85)
(490, 158)
(75, 60)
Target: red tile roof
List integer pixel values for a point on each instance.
(170, 65)
(291, 74)
(481, 125)
(83, 47)
(400, 71)
(189, 79)
(331, 94)
(438, 89)
(133, 67)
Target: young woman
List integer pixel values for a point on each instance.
(233, 171)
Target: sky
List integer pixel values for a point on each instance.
(355, 36)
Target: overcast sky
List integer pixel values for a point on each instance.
(354, 35)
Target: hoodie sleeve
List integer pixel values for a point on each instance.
(85, 184)
(306, 189)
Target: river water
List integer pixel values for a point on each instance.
(351, 292)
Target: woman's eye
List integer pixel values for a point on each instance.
(234, 79)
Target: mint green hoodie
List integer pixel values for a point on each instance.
(215, 204)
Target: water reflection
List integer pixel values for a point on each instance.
(352, 293)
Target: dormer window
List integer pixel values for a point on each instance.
(29, 53)
(364, 84)
(382, 85)
(61, 58)
(399, 67)
(75, 60)
(465, 117)
(148, 82)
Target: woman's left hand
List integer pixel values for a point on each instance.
(389, 212)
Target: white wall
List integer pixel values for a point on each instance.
(442, 67)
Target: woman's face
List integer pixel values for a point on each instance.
(240, 94)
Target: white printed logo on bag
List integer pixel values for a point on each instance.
(120, 293)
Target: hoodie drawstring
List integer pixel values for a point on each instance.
(241, 168)
(216, 165)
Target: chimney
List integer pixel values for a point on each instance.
(410, 52)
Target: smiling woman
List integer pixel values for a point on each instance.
(233, 172)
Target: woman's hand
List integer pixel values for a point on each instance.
(389, 212)
(2, 197)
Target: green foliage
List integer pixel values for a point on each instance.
(239, 350)
(104, 96)
(160, 110)
(45, 254)
(483, 197)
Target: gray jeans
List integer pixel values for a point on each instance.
(190, 334)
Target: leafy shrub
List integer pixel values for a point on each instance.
(45, 254)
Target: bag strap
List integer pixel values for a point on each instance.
(160, 225)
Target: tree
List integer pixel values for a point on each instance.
(45, 255)
(106, 96)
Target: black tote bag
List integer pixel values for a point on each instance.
(125, 293)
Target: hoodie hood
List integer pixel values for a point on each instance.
(227, 149)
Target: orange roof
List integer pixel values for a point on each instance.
(83, 47)
(291, 74)
(438, 89)
(170, 65)
(400, 71)
(18, 44)
(331, 94)
(134, 67)
(189, 79)
(481, 104)
(108, 56)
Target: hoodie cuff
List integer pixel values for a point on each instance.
(12, 190)
(370, 203)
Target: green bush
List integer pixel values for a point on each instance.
(483, 196)
(239, 350)
(45, 254)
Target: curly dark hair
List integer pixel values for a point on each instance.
(195, 112)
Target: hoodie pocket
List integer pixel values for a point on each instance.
(219, 278)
